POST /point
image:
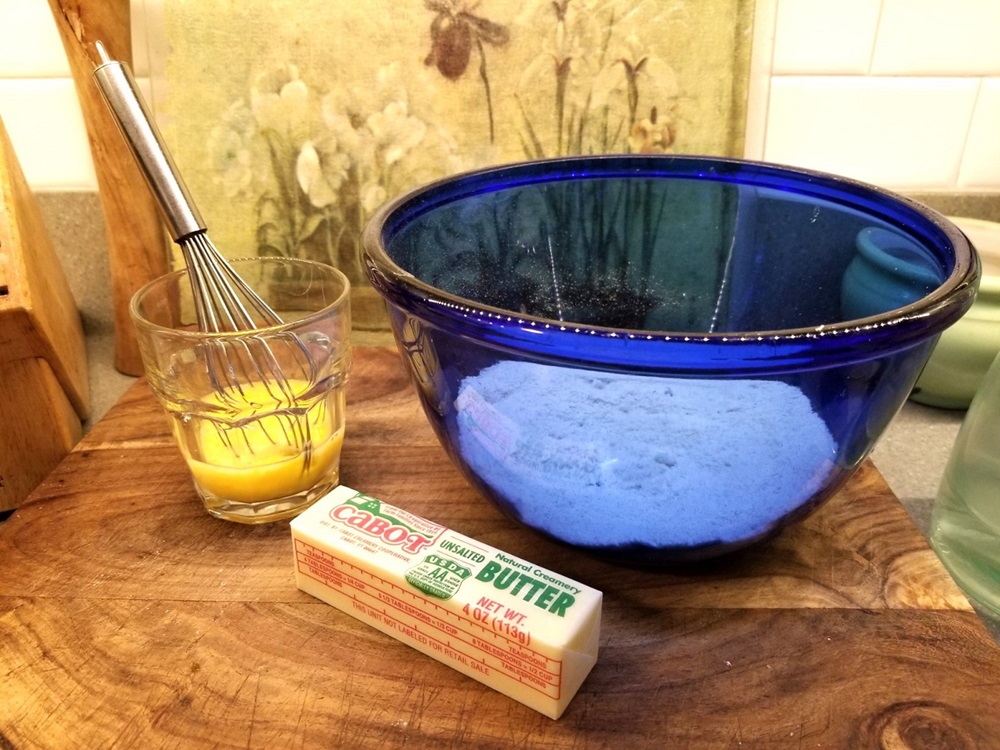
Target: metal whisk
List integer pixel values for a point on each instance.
(223, 301)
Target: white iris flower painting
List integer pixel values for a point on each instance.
(293, 120)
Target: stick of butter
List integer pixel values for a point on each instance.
(523, 630)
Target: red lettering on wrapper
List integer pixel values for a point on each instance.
(409, 541)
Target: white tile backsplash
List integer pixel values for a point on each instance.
(46, 128)
(29, 42)
(938, 37)
(902, 93)
(905, 93)
(980, 169)
(825, 37)
(895, 132)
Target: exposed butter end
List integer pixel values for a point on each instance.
(524, 631)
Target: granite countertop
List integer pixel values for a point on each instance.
(911, 455)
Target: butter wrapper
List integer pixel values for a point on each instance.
(524, 631)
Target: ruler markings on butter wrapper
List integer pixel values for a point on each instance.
(369, 592)
(528, 632)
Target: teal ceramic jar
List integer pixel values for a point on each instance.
(964, 352)
(889, 267)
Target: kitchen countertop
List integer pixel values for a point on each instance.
(911, 455)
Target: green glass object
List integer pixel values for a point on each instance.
(965, 525)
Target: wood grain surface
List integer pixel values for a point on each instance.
(38, 315)
(38, 427)
(137, 245)
(130, 618)
(44, 387)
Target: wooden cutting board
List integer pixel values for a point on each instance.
(135, 620)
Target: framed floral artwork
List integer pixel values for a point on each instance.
(293, 120)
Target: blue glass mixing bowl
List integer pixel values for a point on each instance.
(659, 359)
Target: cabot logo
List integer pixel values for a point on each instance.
(366, 514)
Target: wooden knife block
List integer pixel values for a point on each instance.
(44, 392)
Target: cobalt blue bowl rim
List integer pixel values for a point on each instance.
(772, 351)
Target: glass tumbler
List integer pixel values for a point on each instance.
(258, 415)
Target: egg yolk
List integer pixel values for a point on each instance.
(270, 456)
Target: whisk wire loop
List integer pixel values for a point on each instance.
(225, 296)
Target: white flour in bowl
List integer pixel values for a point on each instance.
(600, 459)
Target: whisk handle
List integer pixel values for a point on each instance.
(120, 91)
